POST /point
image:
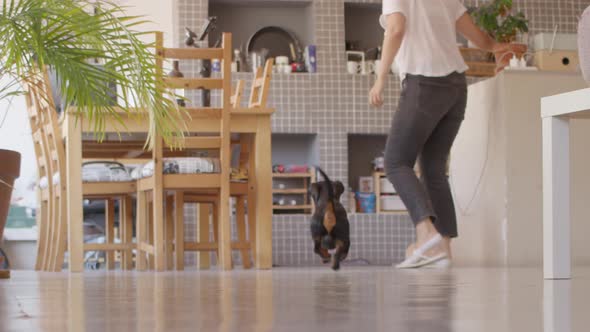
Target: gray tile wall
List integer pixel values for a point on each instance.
(333, 104)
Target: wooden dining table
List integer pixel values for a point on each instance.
(77, 129)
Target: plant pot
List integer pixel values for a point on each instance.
(9, 171)
(503, 58)
(584, 44)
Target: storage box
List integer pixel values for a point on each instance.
(366, 202)
(558, 60)
(386, 186)
(392, 203)
(366, 184)
(563, 41)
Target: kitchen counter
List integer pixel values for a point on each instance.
(496, 170)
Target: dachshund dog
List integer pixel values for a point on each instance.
(329, 222)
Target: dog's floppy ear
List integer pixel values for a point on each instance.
(314, 191)
(338, 189)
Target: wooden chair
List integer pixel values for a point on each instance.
(44, 192)
(103, 190)
(240, 191)
(214, 185)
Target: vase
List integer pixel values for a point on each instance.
(584, 44)
(9, 171)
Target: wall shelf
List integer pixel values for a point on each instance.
(361, 24)
(292, 207)
(289, 191)
(292, 175)
(244, 18)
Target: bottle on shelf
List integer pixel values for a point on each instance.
(351, 201)
(175, 72)
(237, 63)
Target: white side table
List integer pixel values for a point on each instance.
(556, 112)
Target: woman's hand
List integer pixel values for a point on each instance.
(376, 93)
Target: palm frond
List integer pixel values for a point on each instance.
(66, 35)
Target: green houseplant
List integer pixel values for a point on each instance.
(498, 20)
(69, 36)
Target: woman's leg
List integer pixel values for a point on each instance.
(424, 102)
(433, 164)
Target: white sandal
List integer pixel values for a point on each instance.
(418, 259)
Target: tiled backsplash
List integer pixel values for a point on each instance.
(334, 104)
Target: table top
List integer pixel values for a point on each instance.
(242, 120)
(574, 104)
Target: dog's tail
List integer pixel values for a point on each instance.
(329, 220)
(331, 196)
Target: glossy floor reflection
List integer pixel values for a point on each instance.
(354, 299)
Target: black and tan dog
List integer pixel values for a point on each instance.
(329, 223)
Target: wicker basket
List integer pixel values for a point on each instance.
(481, 63)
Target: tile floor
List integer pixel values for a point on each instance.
(289, 299)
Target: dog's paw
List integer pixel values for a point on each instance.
(335, 263)
(326, 260)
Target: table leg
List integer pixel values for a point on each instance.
(556, 198)
(252, 196)
(557, 305)
(263, 176)
(73, 177)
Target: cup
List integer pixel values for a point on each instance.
(352, 67)
(287, 69)
(368, 67)
(377, 66)
(282, 60)
(216, 65)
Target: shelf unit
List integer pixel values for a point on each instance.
(377, 176)
(304, 181)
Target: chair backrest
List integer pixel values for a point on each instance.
(43, 108)
(223, 84)
(261, 86)
(38, 136)
(237, 94)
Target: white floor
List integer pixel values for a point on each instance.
(354, 299)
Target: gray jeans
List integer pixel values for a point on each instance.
(426, 123)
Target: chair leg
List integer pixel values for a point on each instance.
(169, 232)
(141, 226)
(110, 231)
(61, 234)
(127, 232)
(215, 224)
(203, 225)
(51, 244)
(241, 230)
(150, 234)
(42, 222)
(179, 229)
(158, 237)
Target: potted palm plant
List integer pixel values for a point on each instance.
(498, 20)
(68, 36)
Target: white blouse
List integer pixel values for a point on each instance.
(430, 46)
